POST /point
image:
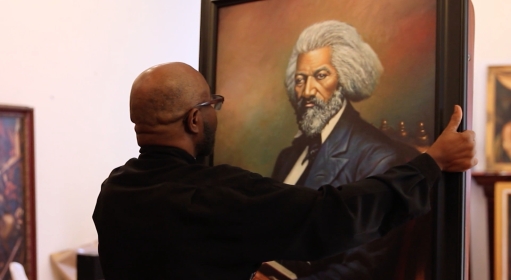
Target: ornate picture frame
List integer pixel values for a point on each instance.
(17, 191)
(498, 128)
(502, 231)
(449, 86)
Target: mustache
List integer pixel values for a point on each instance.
(300, 104)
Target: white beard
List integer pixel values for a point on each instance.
(311, 121)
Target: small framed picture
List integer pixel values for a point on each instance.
(17, 206)
(502, 231)
(498, 129)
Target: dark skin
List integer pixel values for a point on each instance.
(162, 104)
(315, 75)
(162, 108)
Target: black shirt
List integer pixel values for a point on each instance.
(163, 216)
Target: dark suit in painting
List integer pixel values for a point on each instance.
(354, 150)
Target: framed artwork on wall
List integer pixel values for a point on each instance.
(374, 81)
(502, 231)
(17, 197)
(498, 128)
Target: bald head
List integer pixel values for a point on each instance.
(162, 93)
(161, 96)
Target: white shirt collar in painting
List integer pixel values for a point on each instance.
(297, 170)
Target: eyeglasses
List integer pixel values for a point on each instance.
(216, 102)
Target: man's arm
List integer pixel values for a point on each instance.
(298, 223)
(305, 225)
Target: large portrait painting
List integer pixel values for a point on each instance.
(393, 79)
(330, 92)
(17, 213)
(498, 139)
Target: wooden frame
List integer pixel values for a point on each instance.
(502, 232)
(488, 182)
(498, 128)
(452, 75)
(17, 208)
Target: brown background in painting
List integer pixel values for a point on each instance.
(255, 40)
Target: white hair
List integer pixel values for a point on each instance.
(357, 65)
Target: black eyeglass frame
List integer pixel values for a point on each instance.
(216, 101)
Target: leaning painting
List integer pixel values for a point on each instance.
(17, 225)
(289, 70)
(328, 92)
(498, 149)
(502, 231)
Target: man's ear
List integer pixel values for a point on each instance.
(192, 121)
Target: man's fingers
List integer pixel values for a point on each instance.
(453, 151)
(455, 121)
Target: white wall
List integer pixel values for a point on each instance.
(492, 47)
(74, 62)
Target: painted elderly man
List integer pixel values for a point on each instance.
(331, 67)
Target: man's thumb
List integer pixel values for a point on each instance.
(455, 121)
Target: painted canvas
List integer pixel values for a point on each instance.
(255, 43)
(17, 225)
(306, 67)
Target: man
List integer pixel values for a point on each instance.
(164, 216)
(330, 67)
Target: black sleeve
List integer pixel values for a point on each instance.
(298, 223)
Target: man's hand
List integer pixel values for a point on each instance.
(454, 151)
